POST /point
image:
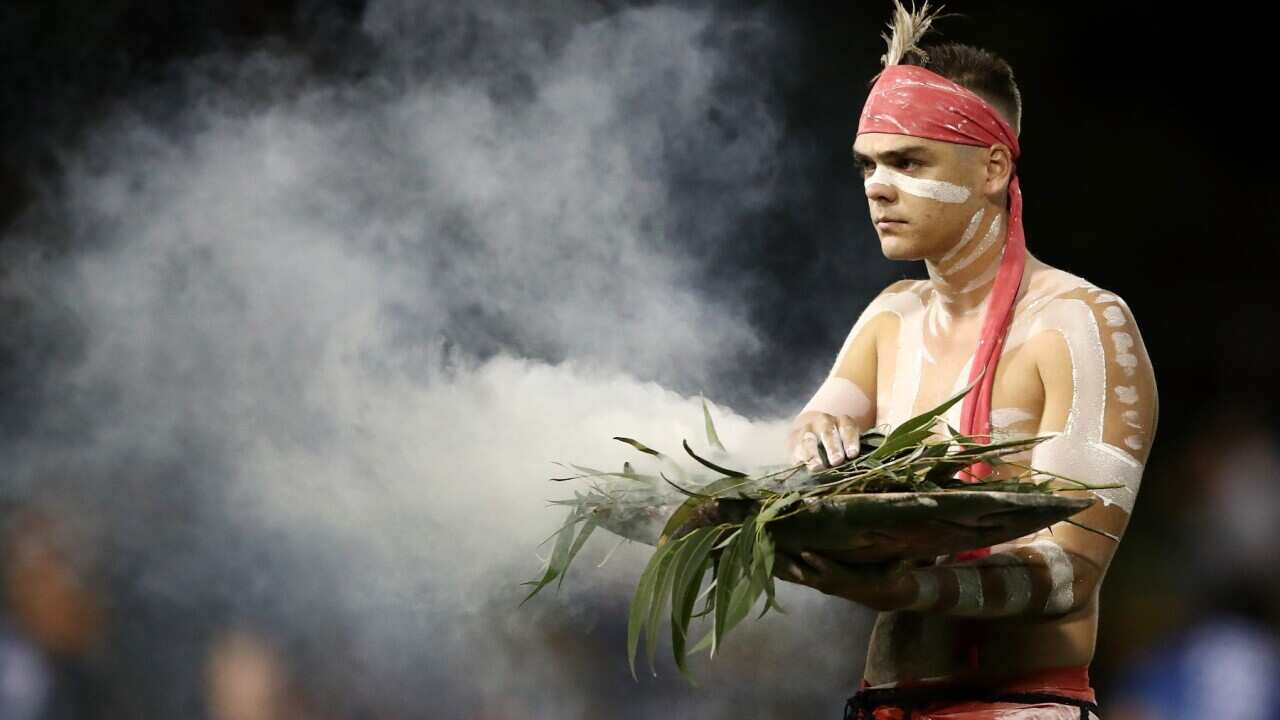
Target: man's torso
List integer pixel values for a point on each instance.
(922, 360)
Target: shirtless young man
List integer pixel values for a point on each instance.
(1072, 364)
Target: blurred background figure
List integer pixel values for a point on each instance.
(52, 624)
(1224, 660)
(247, 680)
(24, 676)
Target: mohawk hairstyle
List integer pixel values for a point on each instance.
(985, 73)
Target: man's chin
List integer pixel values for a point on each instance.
(895, 249)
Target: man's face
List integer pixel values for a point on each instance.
(934, 188)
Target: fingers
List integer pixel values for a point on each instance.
(816, 561)
(837, 436)
(795, 442)
(810, 444)
(786, 568)
(850, 436)
(833, 444)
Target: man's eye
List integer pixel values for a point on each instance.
(908, 164)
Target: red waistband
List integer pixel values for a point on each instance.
(1070, 682)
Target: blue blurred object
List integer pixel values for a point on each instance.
(1222, 667)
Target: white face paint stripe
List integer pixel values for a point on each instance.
(839, 396)
(939, 190)
(969, 232)
(1061, 575)
(970, 598)
(1079, 451)
(994, 233)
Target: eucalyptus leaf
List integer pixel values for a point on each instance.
(712, 438)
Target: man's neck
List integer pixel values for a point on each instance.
(963, 277)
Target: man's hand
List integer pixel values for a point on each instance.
(881, 586)
(838, 435)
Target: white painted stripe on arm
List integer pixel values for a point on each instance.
(926, 591)
(1061, 575)
(970, 600)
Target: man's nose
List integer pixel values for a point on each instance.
(880, 191)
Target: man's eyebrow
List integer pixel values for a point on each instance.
(895, 154)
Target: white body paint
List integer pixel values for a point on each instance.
(1077, 451)
(906, 306)
(939, 190)
(1127, 394)
(1061, 575)
(1113, 316)
(994, 233)
(987, 276)
(1017, 580)
(1004, 417)
(926, 591)
(969, 232)
(1015, 577)
(839, 396)
(970, 599)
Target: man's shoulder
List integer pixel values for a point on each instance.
(902, 294)
(1054, 284)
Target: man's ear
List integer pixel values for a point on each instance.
(998, 170)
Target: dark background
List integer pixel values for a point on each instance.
(1146, 146)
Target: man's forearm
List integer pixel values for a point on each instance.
(1033, 579)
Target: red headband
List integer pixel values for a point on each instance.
(909, 100)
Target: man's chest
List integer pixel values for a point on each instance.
(920, 365)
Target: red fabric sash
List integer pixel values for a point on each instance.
(910, 100)
(1071, 682)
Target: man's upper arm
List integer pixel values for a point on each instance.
(856, 364)
(1101, 404)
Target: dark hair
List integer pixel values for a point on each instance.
(981, 71)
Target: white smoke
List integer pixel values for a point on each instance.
(341, 327)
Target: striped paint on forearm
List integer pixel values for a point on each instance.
(970, 599)
(926, 591)
(1017, 582)
(1061, 575)
(1001, 584)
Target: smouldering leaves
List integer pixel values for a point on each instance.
(739, 552)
